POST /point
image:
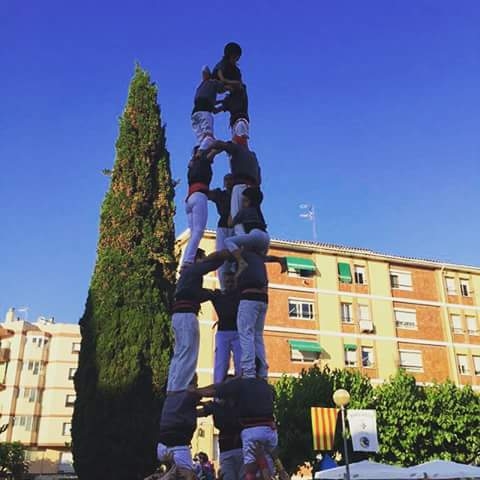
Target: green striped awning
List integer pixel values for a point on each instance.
(297, 263)
(305, 346)
(350, 346)
(344, 272)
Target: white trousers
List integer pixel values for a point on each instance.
(222, 234)
(197, 215)
(236, 205)
(182, 456)
(202, 125)
(185, 351)
(241, 128)
(256, 240)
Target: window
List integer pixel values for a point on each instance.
(363, 312)
(476, 365)
(76, 347)
(360, 276)
(301, 309)
(472, 325)
(406, 318)
(401, 280)
(344, 272)
(31, 394)
(300, 267)
(411, 360)
(464, 287)
(463, 367)
(350, 358)
(368, 359)
(346, 312)
(304, 351)
(450, 285)
(70, 400)
(66, 427)
(71, 373)
(457, 323)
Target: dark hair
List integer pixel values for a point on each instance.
(254, 194)
(200, 253)
(232, 49)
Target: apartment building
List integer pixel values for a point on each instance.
(358, 309)
(37, 364)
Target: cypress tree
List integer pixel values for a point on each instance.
(126, 336)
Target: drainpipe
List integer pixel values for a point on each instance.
(449, 334)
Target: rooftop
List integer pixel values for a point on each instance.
(320, 247)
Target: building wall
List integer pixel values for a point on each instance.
(39, 376)
(432, 337)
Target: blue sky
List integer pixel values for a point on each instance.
(369, 110)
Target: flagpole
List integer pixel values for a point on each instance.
(341, 398)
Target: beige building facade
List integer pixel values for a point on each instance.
(37, 364)
(362, 310)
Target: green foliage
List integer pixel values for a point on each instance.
(415, 424)
(295, 396)
(126, 337)
(12, 460)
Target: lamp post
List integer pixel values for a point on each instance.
(341, 399)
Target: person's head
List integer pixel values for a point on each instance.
(206, 73)
(200, 255)
(232, 52)
(228, 181)
(229, 281)
(203, 457)
(252, 197)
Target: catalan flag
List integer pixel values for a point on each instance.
(324, 421)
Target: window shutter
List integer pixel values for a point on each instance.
(344, 272)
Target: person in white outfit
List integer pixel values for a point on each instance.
(204, 108)
(196, 205)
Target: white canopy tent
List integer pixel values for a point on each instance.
(441, 469)
(365, 470)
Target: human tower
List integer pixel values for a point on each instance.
(242, 405)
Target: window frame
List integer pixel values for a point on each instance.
(411, 368)
(403, 324)
(74, 350)
(349, 320)
(476, 366)
(64, 426)
(365, 307)
(300, 302)
(362, 274)
(465, 287)
(408, 287)
(458, 330)
(463, 369)
(70, 403)
(70, 376)
(300, 356)
(451, 290)
(364, 348)
(472, 331)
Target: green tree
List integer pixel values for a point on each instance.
(402, 431)
(452, 415)
(12, 460)
(126, 336)
(294, 396)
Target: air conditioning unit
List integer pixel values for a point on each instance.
(366, 326)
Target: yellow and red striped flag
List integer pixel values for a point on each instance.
(324, 421)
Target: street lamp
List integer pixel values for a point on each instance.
(341, 398)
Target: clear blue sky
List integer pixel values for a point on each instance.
(370, 110)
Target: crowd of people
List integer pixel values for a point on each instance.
(241, 404)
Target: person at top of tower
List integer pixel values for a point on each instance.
(252, 222)
(237, 105)
(199, 176)
(203, 109)
(226, 70)
(245, 170)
